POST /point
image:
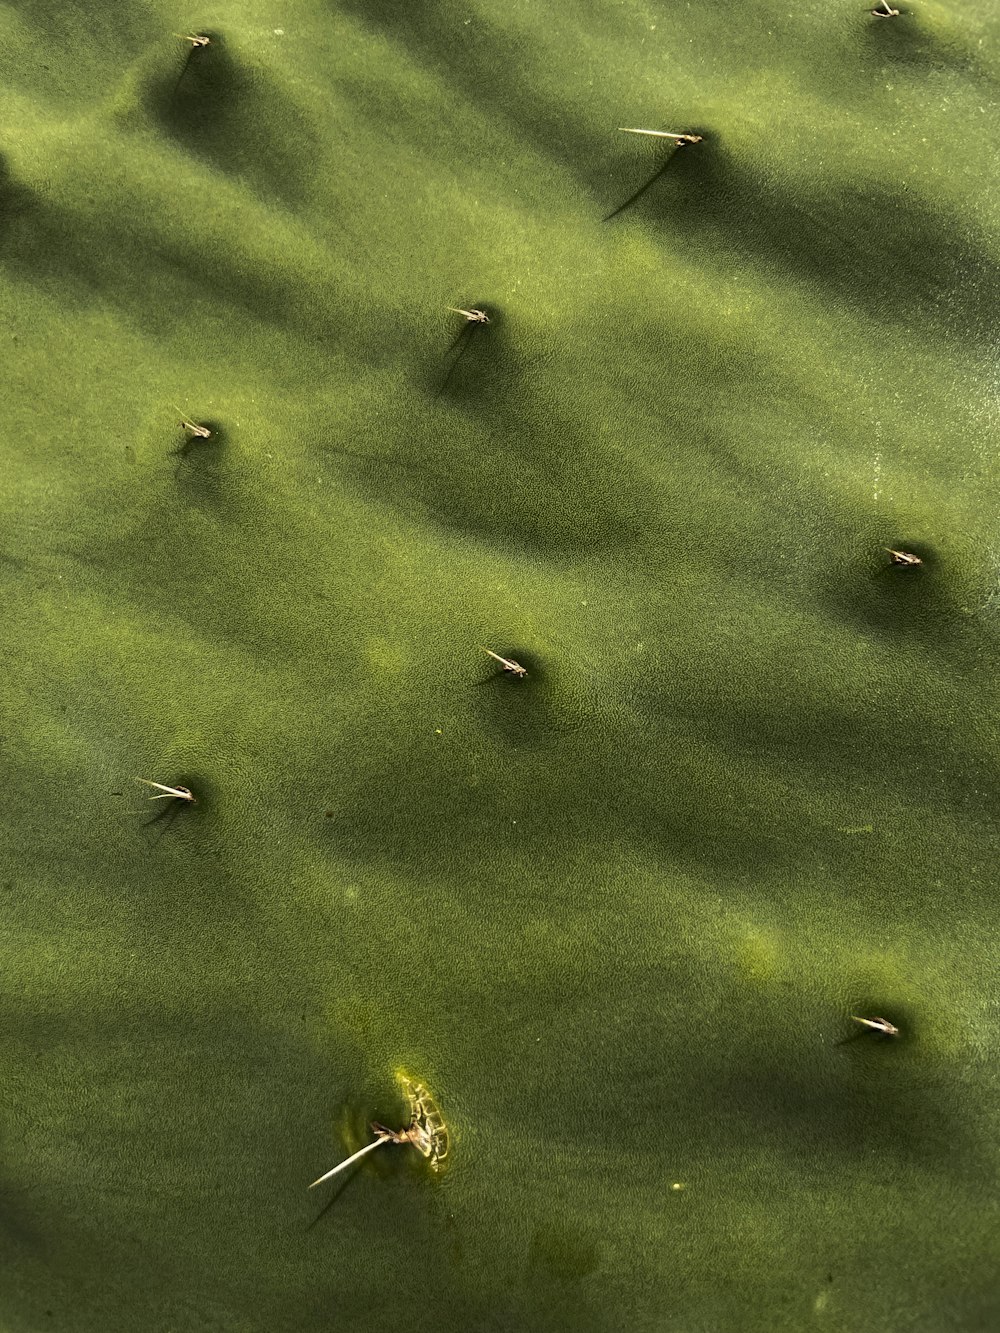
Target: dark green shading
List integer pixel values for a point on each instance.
(15, 201)
(200, 470)
(500, 457)
(909, 41)
(237, 117)
(881, 249)
(668, 154)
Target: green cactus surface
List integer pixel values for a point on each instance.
(617, 915)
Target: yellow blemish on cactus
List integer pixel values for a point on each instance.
(426, 1131)
(384, 656)
(759, 955)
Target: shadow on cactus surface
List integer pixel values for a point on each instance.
(619, 915)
